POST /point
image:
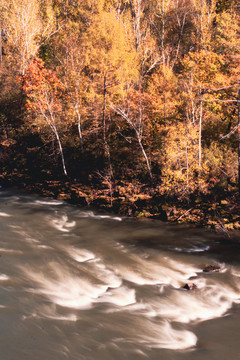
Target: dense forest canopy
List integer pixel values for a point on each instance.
(143, 90)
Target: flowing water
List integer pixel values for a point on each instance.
(79, 285)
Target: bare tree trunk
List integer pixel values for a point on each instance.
(79, 126)
(187, 167)
(52, 125)
(145, 156)
(239, 140)
(74, 94)
(163, 35)
(162, 8)
(106, 147)
(164, 108)
(0, 45)
(200, 136)
(138, 132)
(104, 108)
(181, 27)
(137, 10)
(60, 149)
(62, 156)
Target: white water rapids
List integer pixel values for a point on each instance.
(80, 285)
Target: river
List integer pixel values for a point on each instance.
(75, 284)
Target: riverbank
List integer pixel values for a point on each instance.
(139, 201)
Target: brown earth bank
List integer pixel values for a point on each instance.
(140, 201)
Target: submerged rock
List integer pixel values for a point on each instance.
(190, 286)
(211, 268)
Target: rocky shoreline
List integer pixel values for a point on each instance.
(135, 200)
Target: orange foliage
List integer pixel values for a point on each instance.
(42, 87)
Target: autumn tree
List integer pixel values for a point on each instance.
(71, 63)
(25, 29)
(112, 65)
(133, 112)
(43, 90)
(180, 170)
(207, 76)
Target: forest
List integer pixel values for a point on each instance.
(130, 105)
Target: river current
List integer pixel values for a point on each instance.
(75, 284)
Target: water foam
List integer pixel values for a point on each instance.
(51, 202)
(64, 288)
(3, 214)
(211, 299)
(10, 251)
(80, 255)
(4, 277)
(121, 296)
(51, 314)
(158, 335)
(109, 276)
(116, 218)
(146, 272)
(91, 214)
(63, 224)
(193, 249)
